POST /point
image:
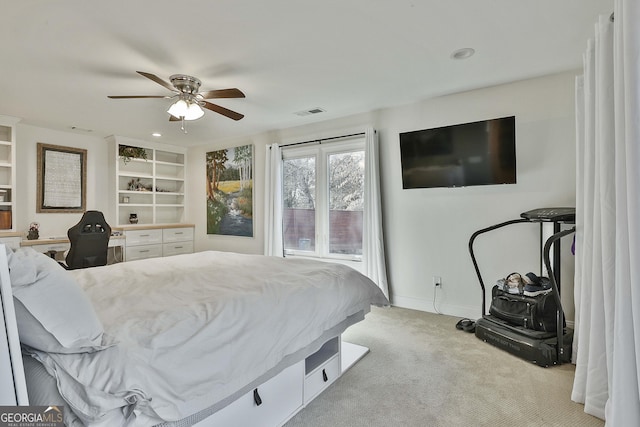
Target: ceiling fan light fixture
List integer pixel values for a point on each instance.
(186, 109)
(178, 109)
(194, 112)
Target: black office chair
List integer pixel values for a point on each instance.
(89, 241)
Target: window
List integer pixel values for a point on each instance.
(323, 193)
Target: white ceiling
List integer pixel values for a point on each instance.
(60, 59)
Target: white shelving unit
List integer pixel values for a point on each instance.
(152, 188)
(7, 172)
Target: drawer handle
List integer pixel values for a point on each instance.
(144, 235)
(325, 378)
(256, 397)
(146, 250)
(179, 232)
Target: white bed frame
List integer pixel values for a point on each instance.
(13, 387)
(278, 399)
(272, 403)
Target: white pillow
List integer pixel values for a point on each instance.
(21, 272)
(53, 312)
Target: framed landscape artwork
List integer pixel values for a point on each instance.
(230, 191)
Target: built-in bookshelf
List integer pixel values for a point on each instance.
(149, 182)
(7, 172)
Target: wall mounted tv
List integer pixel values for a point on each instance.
(477, 153)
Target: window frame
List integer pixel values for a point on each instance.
(321, 152)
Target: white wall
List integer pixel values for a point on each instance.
(56, 224)
(428, 230)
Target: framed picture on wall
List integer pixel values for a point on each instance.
(62, 179)
(230, 191)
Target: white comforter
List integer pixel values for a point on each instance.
(193, 329)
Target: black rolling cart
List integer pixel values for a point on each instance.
(538, 346)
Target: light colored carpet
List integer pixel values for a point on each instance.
(423, 372)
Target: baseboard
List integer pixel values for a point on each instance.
(440, 308)
(448, 309)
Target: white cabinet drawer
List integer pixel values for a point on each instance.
(157, 242)
(177, 248)
(143, 251)
(281, 398)
(321, 378)
(177, 234)
(143, 237)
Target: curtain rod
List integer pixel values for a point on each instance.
(321, 140)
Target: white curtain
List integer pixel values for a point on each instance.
(373, 241)
(273, 244)
(607, 290)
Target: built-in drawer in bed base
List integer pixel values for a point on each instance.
(278, 399)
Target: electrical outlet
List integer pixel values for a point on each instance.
(437, 281)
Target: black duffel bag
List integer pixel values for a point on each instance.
(537, 313)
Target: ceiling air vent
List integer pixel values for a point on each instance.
(310, 111)
(81, 129)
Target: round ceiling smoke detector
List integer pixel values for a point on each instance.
(463, 53)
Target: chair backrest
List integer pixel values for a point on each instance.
(89, 241)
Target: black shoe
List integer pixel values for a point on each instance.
(467, 325)
(536, 285)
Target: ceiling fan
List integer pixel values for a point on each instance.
(188, 101)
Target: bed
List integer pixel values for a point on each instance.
(177, 341)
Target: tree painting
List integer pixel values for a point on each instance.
(230, 191)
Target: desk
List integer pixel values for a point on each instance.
(135, 242)
(60, 245)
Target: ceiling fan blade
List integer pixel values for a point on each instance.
(221, 110)
(223, 93)
(157, 80)
(136, 96)
(173, 118)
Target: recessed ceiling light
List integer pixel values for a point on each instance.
(464, 53)
(156, 134)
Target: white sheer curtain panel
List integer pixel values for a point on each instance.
(273, 244)
(373, 241)
(623, 408)
(594, 180)
(607, 294)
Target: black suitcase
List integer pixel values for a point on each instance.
(538, 347)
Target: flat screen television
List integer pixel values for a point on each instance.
(477, 153)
